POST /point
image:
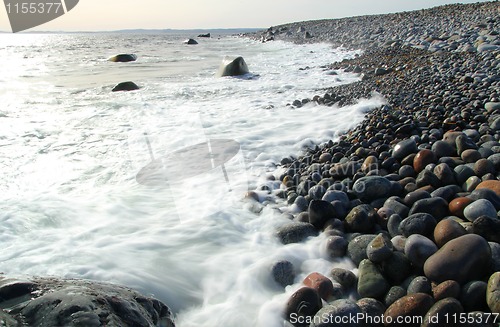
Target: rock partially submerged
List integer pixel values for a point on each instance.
(125, 86)
(73, 302)
(191, 42)
(233, 67)
(123, 57)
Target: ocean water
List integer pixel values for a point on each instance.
(70, 150)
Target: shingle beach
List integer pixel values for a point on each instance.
(412, 194)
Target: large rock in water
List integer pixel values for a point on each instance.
(72, 302)
(123, 57)
(125, 86)
(235, 67)
(462, 259)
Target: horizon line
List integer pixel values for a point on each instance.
(143, 30)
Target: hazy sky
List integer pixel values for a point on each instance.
(92, 15)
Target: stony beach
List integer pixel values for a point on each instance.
(412, 194)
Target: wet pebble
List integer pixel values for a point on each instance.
(418, 249)
(283, 273)
(481, 207)
(462, 259)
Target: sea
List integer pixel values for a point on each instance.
(71, 204)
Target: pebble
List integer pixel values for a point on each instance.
(471, 183)
(336, 246)
(447, 230)
(493, 293)
(372, 310)
(321, 284)
(481, 207)
(371, 282)
(411, 306)
(418, 223)
(320, 212)
(295, 232)
(418, 249)
(356, 249)
(422, 159)
(420, 284)
(473, 296)
(463, 143)
(444, 173)
(492, 106)
(372, 187)
(379, 249)
(493, 185)
(334, 195)
(495, 256)
(361, 219)
(447, 192)
(393, 224)
(370, 163)
(414, 196)
(338, 310)
(397, 205)
(437, 207)
(346, 278)
(486, 194)
(428, 178)
(462, 259)
(305, 302)
(483, 167)
(394, 294)
(399, 242)
(462, 173)
(404, 148)
(397, 268)
(283, 273)
(443, 149)
(325, 157)
(487, 227)
(471, 156)
(448, 288)
(439, 314)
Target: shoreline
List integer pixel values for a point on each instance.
(411, 195)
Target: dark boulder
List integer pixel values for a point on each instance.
(125, 86)
(75, 302)
(123, 57)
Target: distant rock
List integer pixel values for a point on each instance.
(204, 35)
(191, 41)
(485, 47)
(123, 57)
(234, 67)
(125, 86)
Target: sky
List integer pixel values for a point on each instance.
(105, 15)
